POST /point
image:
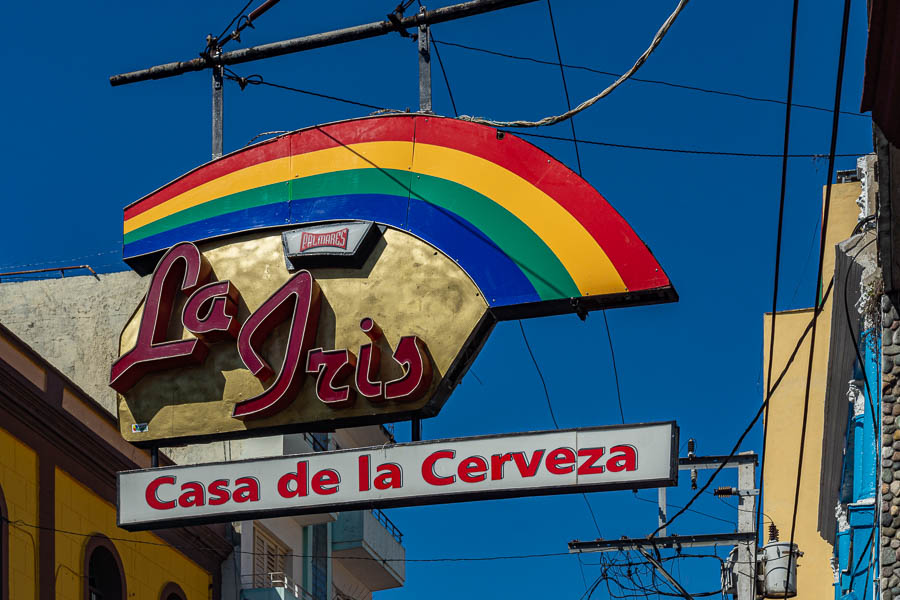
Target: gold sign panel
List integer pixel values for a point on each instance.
(406, 287)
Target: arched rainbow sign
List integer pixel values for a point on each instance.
(533, 236)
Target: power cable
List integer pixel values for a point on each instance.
(612, 354)
(540, 374)
(750, 426)
(256, 79)
(20, 523)
(437, 53)
(673, 150)
(651, 81)
(660, 34)
(778, 237)
(562, 73)
(236, 17)
(68, 260)
(875, 512)
(812, 243)
(817, 305)
(689, 510)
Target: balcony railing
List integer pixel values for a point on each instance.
(277, 585)
(389, 525)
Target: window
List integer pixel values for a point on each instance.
(4, 549)
(103, 569)
(268, 556)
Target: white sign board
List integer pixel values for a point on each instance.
(432, 472)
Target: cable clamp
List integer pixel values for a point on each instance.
(394, 18)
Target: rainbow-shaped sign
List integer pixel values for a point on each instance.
(534, 237)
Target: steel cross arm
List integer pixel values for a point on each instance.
(318, 40)
(665, 574)
(672, 541)
(713, 462)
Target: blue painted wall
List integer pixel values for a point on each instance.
(853, 547)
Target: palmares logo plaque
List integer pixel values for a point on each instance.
(552, 462)
(329, 239)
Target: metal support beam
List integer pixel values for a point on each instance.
(218, 108)
(424, 65)
(672, 541)
(319, 40)
(416, 433)
(713, 462)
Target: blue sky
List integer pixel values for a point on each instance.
(78, 151)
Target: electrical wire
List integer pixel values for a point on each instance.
(812, 244)
(778, 238)
(612, 354)
(437, 53)
(236, 17)
(660, 34)
(59, 260)
(540, 374)
(674, 150)
(817, 305)
(257, 79)
(859, 357)
(19, 524)
(689, 510)
(752, 423)
(562, 73)
(869, 396)
(651, 81)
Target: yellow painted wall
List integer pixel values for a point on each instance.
(148, 565)
(814, 575)
(18, 478)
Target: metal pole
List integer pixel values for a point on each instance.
(319, 40)
(416, 433)
(218, 108)
(663, 512)
(424, 65)
(154, 456)
(745, 569)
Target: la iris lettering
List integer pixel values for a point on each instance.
(211, 314)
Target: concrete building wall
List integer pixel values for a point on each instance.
(74, 323)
